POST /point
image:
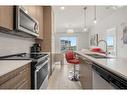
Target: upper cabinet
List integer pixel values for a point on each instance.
(47, 29)
(6, 17)
(40, 21)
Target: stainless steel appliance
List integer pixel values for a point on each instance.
(41, 74)
(39, 67)
(104, 79)
(24, 22)
(39, 71)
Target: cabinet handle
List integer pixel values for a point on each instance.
(22, 71)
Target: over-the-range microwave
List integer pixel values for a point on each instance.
(24, 22)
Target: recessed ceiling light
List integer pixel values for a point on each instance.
(62, 8)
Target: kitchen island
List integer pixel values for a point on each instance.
(114, 65)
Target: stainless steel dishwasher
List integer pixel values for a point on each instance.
(104, 79)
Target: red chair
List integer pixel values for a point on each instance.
(71, 58)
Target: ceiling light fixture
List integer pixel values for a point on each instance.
(95, 15)
(85, 28)
(70, 31)
(62, 8)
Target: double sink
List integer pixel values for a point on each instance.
(97, 56)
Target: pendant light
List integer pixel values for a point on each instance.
(70, 30)
(85, 28)
(95, 15)
(62, 8)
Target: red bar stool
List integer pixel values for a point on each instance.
(71, 58)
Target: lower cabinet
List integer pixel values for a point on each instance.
(85, 73)
(17, 79)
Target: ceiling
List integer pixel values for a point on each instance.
(73, 17)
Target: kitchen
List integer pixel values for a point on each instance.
(30, 45)
(23, 32)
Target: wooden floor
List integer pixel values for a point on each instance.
(59, 78)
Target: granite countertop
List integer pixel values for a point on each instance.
(7, 66)
(116, 65)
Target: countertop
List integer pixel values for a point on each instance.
(10, 65)
(116, 65)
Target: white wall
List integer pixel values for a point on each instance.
(115, 20)
(82, 40)
(10, 44)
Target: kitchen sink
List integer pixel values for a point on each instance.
(97, 56)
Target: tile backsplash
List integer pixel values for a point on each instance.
(10, 44)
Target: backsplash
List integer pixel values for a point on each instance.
(10, 44)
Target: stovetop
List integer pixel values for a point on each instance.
(23, 56)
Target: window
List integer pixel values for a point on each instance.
(68, 43)
(111, 45)
(110, 40)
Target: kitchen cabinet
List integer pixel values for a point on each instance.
(46, 44)
(47, 29)
(39, 17)
(85, 73)
(17, 79)
(6, 17)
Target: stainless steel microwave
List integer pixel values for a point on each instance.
(24, 22)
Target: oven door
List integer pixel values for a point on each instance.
(41, 76)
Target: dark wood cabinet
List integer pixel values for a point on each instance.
(6, 17)
(85, 73)
(16, 79)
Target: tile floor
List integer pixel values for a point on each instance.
(59, 78)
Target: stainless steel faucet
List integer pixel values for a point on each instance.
(105, 44)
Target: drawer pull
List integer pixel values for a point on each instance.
(22, 71)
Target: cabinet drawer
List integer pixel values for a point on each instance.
(15, 78)
(12, 74)
(15, 81)
(25, 85)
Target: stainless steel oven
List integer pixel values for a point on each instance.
(41, 76)
(25, 22)
(39, 71)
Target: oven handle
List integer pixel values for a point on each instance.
(39, 67)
